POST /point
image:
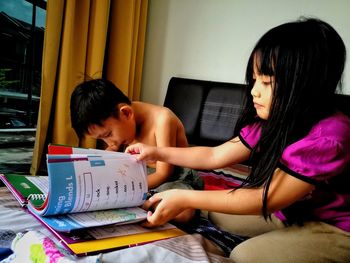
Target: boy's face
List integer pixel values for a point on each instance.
(116, 132)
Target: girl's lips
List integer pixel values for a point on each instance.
(256, 105)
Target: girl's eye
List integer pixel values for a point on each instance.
(267, 80)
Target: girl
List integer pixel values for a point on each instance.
(298, 146)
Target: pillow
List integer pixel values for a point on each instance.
(225, 178)
(221, 110)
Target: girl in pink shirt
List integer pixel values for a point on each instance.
(298, 146)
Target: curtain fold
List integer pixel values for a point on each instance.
(125, 58)
(85, 39)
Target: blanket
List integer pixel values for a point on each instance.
(34, 243)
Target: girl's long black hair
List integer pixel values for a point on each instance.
(307, 59)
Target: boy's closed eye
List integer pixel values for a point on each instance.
(105, 135)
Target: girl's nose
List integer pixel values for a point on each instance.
(254, 92)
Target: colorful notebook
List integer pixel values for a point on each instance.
(26, 186)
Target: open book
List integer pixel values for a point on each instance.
(88, 190)
(90, 199)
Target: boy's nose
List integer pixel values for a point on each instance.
(113, 147)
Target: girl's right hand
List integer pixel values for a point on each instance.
(144, 152)
(167, 205)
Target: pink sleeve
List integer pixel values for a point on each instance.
(316, 157)
(250, 134)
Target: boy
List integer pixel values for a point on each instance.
(100, 110)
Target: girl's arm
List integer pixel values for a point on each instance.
(284, 191)
(231, 152)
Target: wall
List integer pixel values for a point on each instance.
(212, 39)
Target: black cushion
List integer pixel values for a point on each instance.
(185, 98)
(207, 109)
(221, 110)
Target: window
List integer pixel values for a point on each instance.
(22, 26)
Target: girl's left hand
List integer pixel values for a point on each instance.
(168, 205)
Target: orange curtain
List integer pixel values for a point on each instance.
(90, 38)
(125, 58)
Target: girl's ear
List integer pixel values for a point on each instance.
(125, 111)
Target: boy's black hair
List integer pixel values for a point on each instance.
(307, 59)
(92, 102)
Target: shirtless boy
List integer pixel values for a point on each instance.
(100, 110)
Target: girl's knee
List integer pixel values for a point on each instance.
(244, 252)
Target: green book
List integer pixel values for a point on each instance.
(24, 187)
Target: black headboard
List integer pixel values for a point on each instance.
(209, 110)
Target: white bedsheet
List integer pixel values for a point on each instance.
(186, 249)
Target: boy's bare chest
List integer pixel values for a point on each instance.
(146, 137)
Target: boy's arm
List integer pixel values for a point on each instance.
(169, 132)
(160, 176)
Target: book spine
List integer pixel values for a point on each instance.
(36, 197)
(59, 149)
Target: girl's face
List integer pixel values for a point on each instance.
(262, 93)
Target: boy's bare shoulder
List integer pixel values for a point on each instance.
(165, 114)
(160, 113)
(159, 125)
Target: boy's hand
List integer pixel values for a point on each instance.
(145, 152)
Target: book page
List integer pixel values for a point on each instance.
(76, 221)
(42, 182)
(87, 183)
(124, 230)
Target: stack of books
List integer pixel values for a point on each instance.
(90, 199)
